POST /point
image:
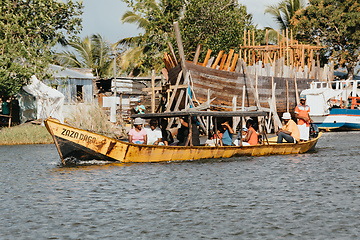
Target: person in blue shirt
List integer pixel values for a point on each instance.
(140, 109)
(227, 135)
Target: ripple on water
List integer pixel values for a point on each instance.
(308, 196)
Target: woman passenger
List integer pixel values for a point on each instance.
(138, 135)
(251, 137)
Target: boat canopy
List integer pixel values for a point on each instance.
(201, 114)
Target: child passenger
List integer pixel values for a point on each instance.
(215, 140)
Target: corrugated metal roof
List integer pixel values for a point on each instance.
(62, 72)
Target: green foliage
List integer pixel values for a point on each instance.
(337, 24)
(91, 52)
(284, 11)
(216, 25)
(28, 31)
(156, 19)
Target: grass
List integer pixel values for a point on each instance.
(25, 134)
(91, 117)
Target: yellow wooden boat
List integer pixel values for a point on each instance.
(74, 143)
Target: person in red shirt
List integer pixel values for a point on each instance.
(303, 118)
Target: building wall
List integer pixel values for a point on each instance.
(70, 87)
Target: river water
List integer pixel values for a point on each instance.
(308, 196)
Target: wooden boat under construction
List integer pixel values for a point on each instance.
(225, 85)
(269, 77)
(73, 143)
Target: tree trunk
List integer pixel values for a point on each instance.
(350, 69)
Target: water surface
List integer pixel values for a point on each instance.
(308, 196)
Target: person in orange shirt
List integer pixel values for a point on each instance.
(303, 118)
(251, 136)
(290, 131)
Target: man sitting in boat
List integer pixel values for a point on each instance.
(167, 137)
(183, 132)
(289, 132)
(303, 118)
(227, 134)
(138, 135)
(153, 133)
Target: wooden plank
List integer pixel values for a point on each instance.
(202, 113)
(287, 47)
(296, 91)
(227, 64)
(197, 53)
(210, 62)
(202, 106)
(233, 65)
(180, 48)
(222, 63)
(170, 60)
(174, 92)
(287, 96)
(167, 62)
(172, 53)
(217, 59)
(256, 96)
(207, 58)
(153, 91)
(172, 87)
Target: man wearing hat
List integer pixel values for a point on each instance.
(303, 118)
(290, 131)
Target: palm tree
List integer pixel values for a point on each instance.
(284, 11)
(146, 50)
(91, 52)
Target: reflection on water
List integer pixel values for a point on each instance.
(308, 196)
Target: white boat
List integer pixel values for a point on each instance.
(334, 105)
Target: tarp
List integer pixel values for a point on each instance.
(319, 100)
(40, 99)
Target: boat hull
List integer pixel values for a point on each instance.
(339, 119)
(87, 146)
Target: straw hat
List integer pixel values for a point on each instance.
(138, 121)
(286, 115)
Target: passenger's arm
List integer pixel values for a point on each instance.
(185, 124)
(248, 135)
(229, 128)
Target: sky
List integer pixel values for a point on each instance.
(104, 18)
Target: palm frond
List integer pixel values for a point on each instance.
(129, 41)
(131, 17)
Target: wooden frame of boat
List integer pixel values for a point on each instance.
(84, 145)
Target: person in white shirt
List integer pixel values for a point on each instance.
(154, 136)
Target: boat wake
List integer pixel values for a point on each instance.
(72, 161)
